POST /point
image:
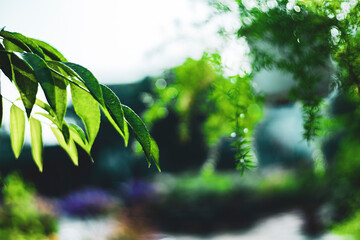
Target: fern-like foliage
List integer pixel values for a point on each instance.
(230, 104)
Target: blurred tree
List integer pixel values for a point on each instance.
(28, 63)
(230, 105)
(315, 42)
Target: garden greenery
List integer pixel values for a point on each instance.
(29, 64)
(230, 105)
(316, 42)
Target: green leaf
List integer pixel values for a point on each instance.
(1, 110)
(115, 113)
(66, 132)
(5, 64)
(49, 51)
(60, 96)
(2, 29)
(45, 106)
(89, 80)
(62, 68)
(48, 116)
(36, 142)
(79, 132)
(155, 153)
(17, 129)
(25, 81)
(23, 42)
(16, 39)
(70, 147)
(43, 75)
(9, 46)
(79, 137)
(87, 108)
(140, 131)
(61, 83)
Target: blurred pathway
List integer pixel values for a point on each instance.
(285, 226)
(86, 229)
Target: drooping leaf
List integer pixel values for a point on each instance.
(89, 80)
(25, 81)
(66, 132)
(61, 83)
(43, 75)
(17, 129)
(45, 106)
(5, 64)
(70, 147)
(87, 108)
(69, 72)
(48, 116)
(155, 153)
(140, 130)
(79, 137)
(79, 132)
(60, 96)
(11, 47)
(115, 113)
(16, 39)
(23, 42)
(49, 51)
(36, 142)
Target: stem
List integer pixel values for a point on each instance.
(69, 79)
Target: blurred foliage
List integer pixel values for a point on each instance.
(288, 36)
(19, 217)
(318, 42)
(198, 87)
(350, 227)
(213, 201)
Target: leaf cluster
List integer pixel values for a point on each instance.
(293, 38)
(31, 65)
(230, 105)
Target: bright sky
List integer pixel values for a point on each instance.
(118, 40)
(122, 41)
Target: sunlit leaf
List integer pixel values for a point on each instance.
(79, 132)
(15, 39)
(79, 137)
(70, 148)
(114, 109)
(89, 80)
(43, 75)
(140, 131)
(25, 81)
(48, 116)
(49, 51)
(17, 129)
(87, 108)
(69, 72)
(45, 106)
(36, 142)
(155, 153)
